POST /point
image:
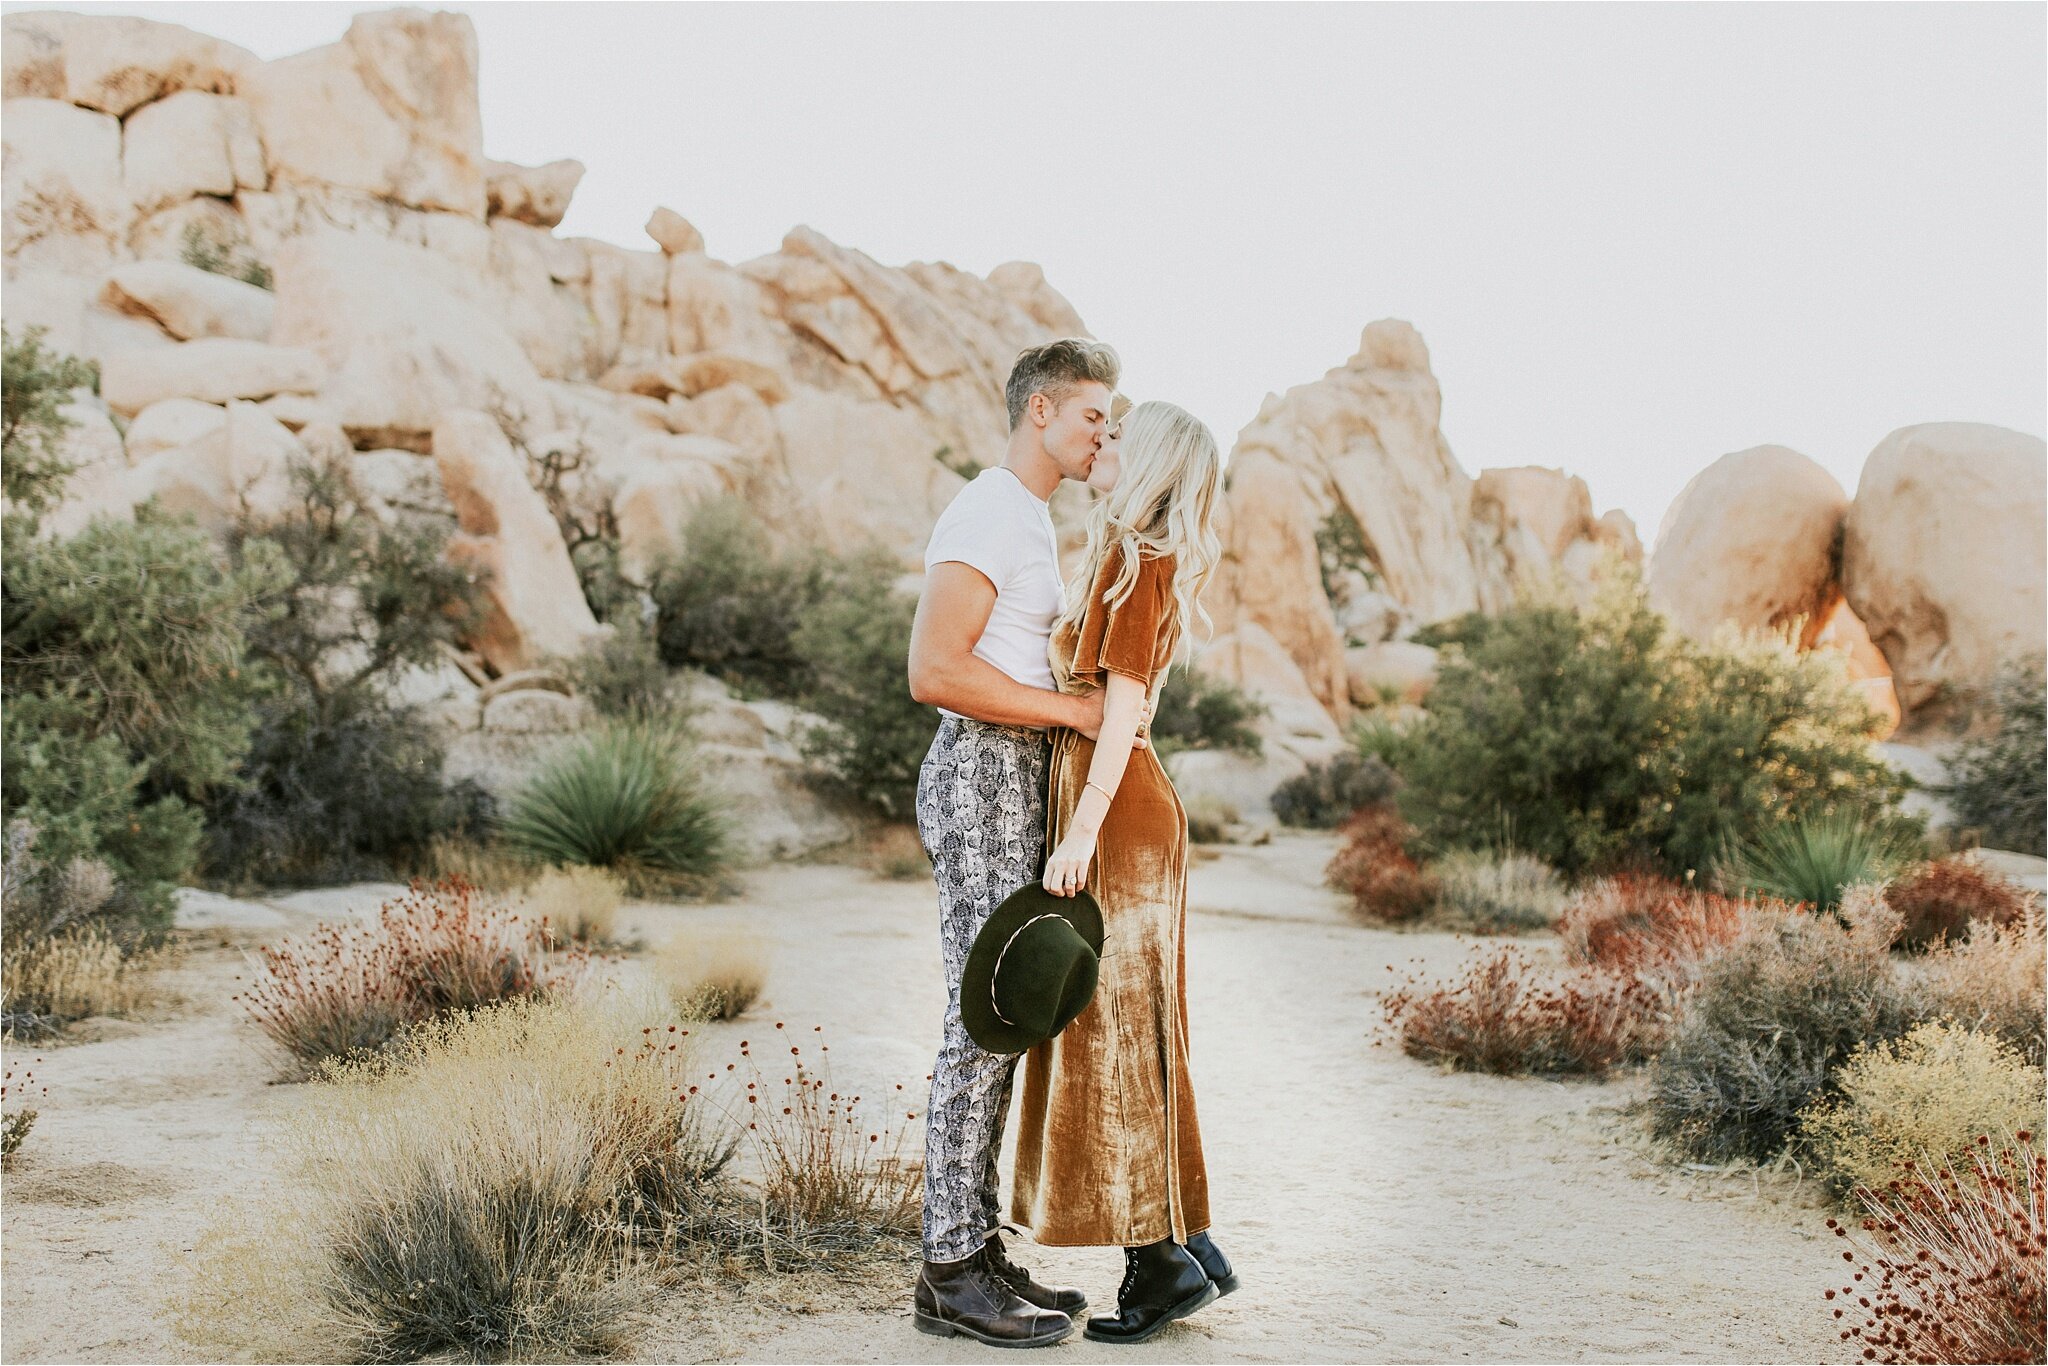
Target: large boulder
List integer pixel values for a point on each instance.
(66, 207)
(404, 345)
(171, 423)
(212, 369)
(190, 303)
(112, 63)
(1533, 527)
(1945, 557)
(850, 472)
(673, 233)
(390, 110)
(241, 466)
(538, 195)
(190, 144)
(537, 604)
(1751, 540)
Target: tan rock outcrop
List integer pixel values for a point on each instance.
(171, 423)
(212, 369)
(66, 206)
(673, 233)
(1390, 671)
(242, 465)
(1751, 539)
(117, 64)
(1943, 557)
(531, 194)
(537, 606)
(188, 302)
(190, 144)
(390, 110)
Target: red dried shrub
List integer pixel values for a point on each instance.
(1939, 900)
(1949, 1266)
(1510, 1015)
(1373, 866)
(1637, 922)
(440, 947)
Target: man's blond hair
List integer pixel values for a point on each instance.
(1056, 369)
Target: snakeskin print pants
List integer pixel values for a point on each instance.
(981, 816)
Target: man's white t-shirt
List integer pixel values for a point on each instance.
(1005, 530)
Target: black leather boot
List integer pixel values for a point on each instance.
(968, 1298)
(1213, 1261)
(1064, 1298)
(1162, 1282)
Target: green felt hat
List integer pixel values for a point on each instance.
(1031, 969)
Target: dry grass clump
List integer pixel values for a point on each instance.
(575, 905)
(1949, 1264)
(477, 1190)
(1772, 1016)
(437, 948)
(1508, 1015)
(1637, 922)
(712, 977)
(1373, 866)
(74, 974)
(1210, 818)
(1945, 898)
(17, 1088)
(1496, 893)
(1927, 1097)
(490, 866)
(1996, 981)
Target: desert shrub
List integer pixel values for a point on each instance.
(622, 675)
(574, 905)
(896, 852)
(1643, 924)
(18, 1092)
(630, 797)
(1506, 1014)
(129, 694)
(730, 605)
(433, 950)
(339, 781)
(1944, 898)
(37, 383)
(1812, 862)
(853, 642)
(1603, 739)
(1331, 791)
(1998, 783)
(1200, 710)
(1503, 893)
(1996, 981)
(48, 981)
(37, 900)
(1927, 1096)
(714, 976)
(1948, 1266)
(1372, 865)
(1773, 1015)
(489, 865)
(1209, 818)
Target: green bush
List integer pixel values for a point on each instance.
(1773, 1015)
(1603, 739)
(339, 782)
(1198, 710)
(622, 675)
(1998, 783)
(129, 692)
(1326, 794)
(1814, 861)
(37, 383)
(629, 797)
(853, 642)
(730, 605)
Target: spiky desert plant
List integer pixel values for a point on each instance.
(631, 798)
(1814, 861)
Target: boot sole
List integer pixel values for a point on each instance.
(940, 1328)
(1207, 1293)
(1226, 1285)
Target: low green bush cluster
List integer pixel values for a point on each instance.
(1998, 782)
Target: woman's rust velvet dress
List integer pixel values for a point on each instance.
(1108, 1151)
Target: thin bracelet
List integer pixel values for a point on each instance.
(1099, 788)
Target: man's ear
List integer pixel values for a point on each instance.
(1040, 409)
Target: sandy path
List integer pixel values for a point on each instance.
(1377, 1209)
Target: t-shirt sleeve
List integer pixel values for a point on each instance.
(970, 532)
(1128, 638)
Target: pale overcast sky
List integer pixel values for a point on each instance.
(1635, 236)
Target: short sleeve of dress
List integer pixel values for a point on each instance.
(1128, 638)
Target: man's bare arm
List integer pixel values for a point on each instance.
(945, 672)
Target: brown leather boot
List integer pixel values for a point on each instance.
(1065, 1298)
(967, 1297)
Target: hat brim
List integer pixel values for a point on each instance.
(977, 1005)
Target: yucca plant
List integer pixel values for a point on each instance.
(629, 798)
(1814, 860)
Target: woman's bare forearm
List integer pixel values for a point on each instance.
(1121, 710)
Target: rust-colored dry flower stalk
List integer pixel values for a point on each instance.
(1373, 866)
(1949, 1266)
(1943, 899)
(1507, 1014)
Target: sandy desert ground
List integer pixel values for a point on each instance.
(1378, 1210)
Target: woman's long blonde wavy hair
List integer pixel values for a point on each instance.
(1164, 503)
